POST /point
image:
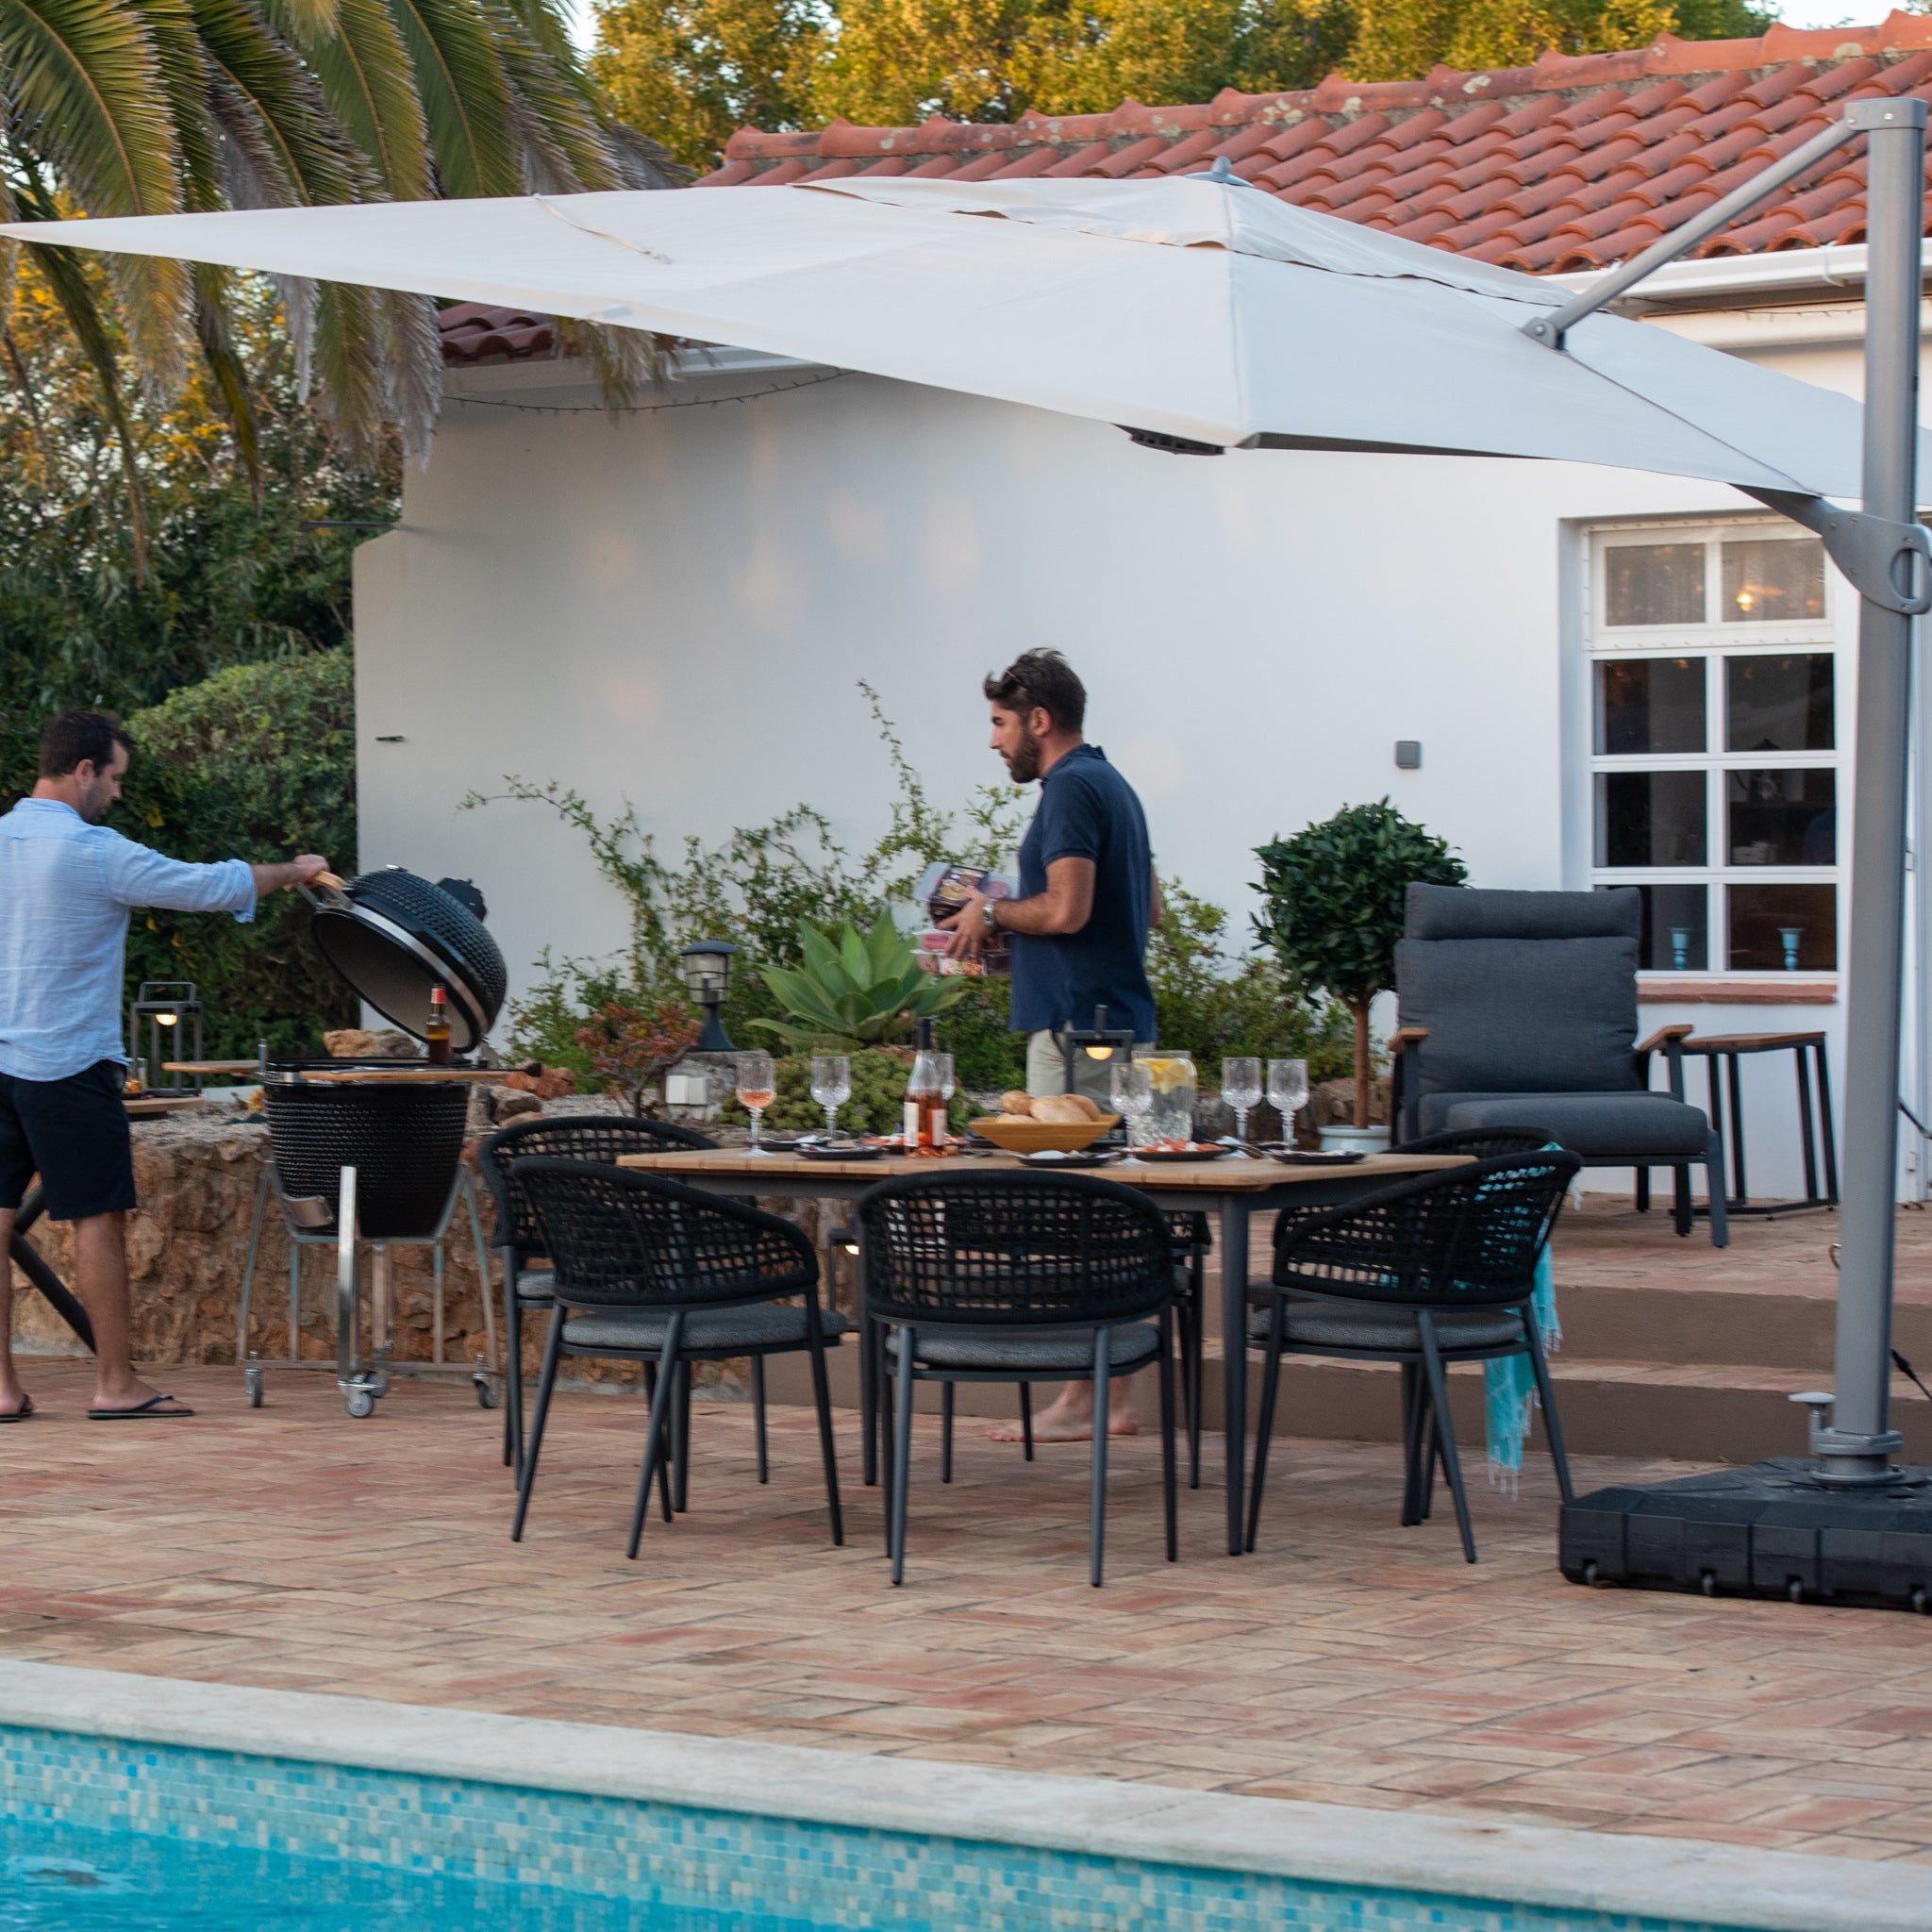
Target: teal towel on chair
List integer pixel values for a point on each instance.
(1509, 1385)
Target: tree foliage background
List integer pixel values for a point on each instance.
(229, 661)
(689, 72)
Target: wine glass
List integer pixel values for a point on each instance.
(1241, 1086)
(756, 1089)
(831, 1086)
(942, 1066)
(1287, 1092)
(1133, 1094)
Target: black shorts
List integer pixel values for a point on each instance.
(73, 1134)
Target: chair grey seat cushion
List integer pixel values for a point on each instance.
(1599, 1127)
(764, 1325)
(1129, 1344)
(1316, 1322)
(535, 1283)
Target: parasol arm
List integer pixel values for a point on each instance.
(1889, 562)
(1859, 118)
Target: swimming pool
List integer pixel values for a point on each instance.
(154, 1806)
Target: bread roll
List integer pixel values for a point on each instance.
(1061, 1109)
(1016, 1103)
(1091, 1110)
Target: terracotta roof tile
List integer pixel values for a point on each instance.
(474, 333)
(1576, 161)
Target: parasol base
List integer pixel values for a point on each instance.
(1772, 1529)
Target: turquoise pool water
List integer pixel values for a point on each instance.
(101, 1832)
(66, 1879)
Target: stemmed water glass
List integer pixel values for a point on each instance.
(757, 1088)
(831, 1086)
(1133, 1094)
(1241, 1086)
(1287, 1092)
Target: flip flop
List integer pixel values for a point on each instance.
(23, 1413)
(150, 1411)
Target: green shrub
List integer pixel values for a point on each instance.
(1336, 894)
(867, 988)
(986, 1056)
(256, 763)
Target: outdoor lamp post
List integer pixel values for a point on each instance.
(164, 1023)
(707, 974)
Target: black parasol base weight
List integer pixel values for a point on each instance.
(1772, 1529)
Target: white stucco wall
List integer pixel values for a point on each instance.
(676, 608)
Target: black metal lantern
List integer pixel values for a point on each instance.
(707, 974)
(1099, 1042)
(163, 1024)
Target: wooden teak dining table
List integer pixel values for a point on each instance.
(1233, 1188)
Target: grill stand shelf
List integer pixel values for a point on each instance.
(364, 1381)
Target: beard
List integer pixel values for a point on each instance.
(94, 803)
(1024, 766)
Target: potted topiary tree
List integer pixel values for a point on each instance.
(1334, 911)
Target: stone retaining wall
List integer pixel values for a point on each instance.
(197, 1176)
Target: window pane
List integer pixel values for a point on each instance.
(1779, 704)
(1782, 818)
(1655, 705)
(1783, 928)
(1676, 929)
(1774, 580)
(1654, 583)
(1650, 818)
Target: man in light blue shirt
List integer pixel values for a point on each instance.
(67, 885)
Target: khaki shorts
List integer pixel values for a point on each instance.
(1046, 1068)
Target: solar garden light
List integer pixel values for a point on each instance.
(164, 1023)
(707, 974)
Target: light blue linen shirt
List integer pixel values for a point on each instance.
(66, 888)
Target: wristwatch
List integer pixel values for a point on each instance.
(986, 917)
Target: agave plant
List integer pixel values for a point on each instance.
(162, 106)
(865, 989)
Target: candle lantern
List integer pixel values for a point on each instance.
(708, 976)
(163, 1024)
(1098, 1043)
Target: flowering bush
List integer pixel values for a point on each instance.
(628, 1048)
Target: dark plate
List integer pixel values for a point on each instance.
(1327, 1157)
(1049, 1158)
(1210, 1153)
(817, 1150)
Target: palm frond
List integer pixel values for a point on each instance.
(564, 151)
(225, 369)
(183, 70)
(88, 98)
(67, 278)
(365, 74)
(466, 98)
(412, 368)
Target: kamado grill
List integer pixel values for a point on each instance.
(368, 1151)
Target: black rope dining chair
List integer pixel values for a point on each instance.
(648, 1270)
(1016, 1277)
(1426, 1273)
(519, 1240)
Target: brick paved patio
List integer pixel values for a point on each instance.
(1350, 1661)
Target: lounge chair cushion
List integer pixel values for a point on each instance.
(1596, 1125)
(1129, 1344)
(764, 1325)
(1316, 1322)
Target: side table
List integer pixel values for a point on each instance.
(1722, 1053)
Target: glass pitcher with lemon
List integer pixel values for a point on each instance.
(1171, 1116)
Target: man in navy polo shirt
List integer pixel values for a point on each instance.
(1088, 899)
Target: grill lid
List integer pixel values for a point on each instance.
(392, 937)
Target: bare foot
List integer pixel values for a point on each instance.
(14, 1404)
(1061, 1425)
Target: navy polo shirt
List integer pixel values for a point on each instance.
(1086, 810)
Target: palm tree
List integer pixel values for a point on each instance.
(159, 107)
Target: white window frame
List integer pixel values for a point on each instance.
(1715, 641)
